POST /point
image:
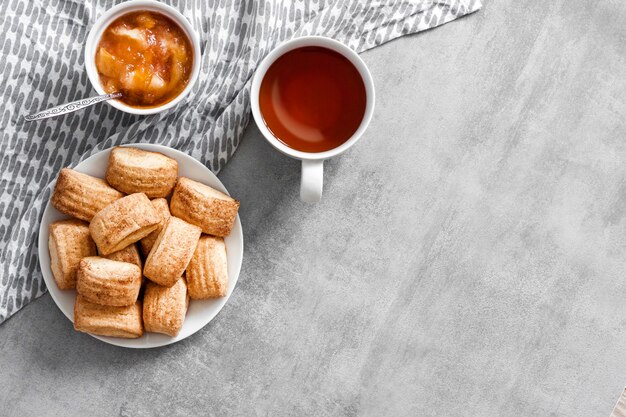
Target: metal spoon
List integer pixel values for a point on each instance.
(71, 107)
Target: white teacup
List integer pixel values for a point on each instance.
(312, 163)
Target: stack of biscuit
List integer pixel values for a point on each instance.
(135, 258)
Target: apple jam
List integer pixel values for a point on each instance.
(146, 56)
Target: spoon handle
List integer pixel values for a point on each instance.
(71, 107)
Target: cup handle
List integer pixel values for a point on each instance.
(312, 181)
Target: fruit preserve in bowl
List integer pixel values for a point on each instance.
(147, 51)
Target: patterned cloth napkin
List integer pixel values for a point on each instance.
(42, 65)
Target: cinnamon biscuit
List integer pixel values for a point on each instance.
(171, 252)
(133, 170)
(123, 222)
(199, 204)
(160, 205)
(80, 195)
(68, 242)
(207, 273)
(129, 254)
(108, 282)
(164, 308)
(108, 320)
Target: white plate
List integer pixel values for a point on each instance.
(200, 312)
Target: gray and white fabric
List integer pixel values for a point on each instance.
(41, 62)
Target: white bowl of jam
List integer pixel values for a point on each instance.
(146, 50)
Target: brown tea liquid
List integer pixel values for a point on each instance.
(312, 99)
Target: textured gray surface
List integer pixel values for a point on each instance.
(468, 257)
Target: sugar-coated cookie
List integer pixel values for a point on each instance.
(123, 222)
(199, 204)
(164, 308)
(207, 273)
(108, 282)
(68, 242)
(171, 252)
(125, 322)
(133, 170)
(129, 254)
(80, 195)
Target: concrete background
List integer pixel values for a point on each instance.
(468, 257)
